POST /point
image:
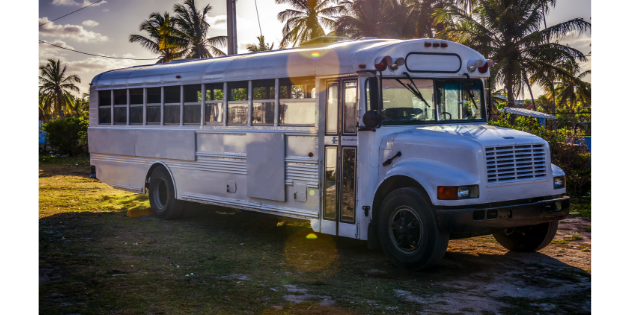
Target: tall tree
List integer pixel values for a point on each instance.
(373, 18)
(55, 89)
(508, 32)
(162, 37)
(192, 28)
(306, 19)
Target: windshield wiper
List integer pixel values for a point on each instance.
(414, 90)
(472, 96)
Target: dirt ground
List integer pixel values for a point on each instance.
(225, 261)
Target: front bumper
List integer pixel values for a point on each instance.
(483, 220)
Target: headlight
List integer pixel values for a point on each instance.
(559, 182)
(458, 192)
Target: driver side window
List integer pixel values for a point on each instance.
(400, 105)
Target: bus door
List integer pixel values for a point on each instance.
(340, 160)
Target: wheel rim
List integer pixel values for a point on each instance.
(161, 197)
(405, 229)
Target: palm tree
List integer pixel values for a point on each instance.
(162, 37)
(373, 18)
(262, 46)
(571, 89)
(55, 89)
(192, 28)
(306, 20)
(508, 32)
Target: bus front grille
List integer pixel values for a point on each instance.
(516, 162)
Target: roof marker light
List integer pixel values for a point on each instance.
(436, 44)
(427, 44)
(178, 76)
(361, 66)
(443, 44)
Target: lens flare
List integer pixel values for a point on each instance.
(315, 54)
(311, 236)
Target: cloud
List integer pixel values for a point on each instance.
(75, 32)
(89, 23)
(219, 19)
(73, 2)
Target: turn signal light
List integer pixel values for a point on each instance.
(457, 192)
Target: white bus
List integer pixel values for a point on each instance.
(375, 139)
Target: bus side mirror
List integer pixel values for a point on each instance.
(370, 120)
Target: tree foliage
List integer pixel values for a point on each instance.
(67, 136)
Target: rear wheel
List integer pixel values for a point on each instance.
(162, 195)
(527, 238)
(407, 230)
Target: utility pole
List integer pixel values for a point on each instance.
(231, 27)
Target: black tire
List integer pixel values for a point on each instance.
(528, 238)
(162, 195)
(411, 246)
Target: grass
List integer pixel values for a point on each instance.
(582, 206)
(205, 263)
(219, 261)
(575, 236)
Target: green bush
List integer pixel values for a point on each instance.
(67, 136)
(573, 159)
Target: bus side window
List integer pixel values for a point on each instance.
(192, 104)
(263, 95)
(154, 105)
(105, 107)
(297, 102)
(214, 103)
(237, 103)
(172, 100)
(136, 101)
(120, 107)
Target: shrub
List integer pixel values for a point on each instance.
(573, 159)
(67, 136)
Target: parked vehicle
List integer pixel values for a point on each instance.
(375, 139)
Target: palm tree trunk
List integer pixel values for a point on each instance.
(510, 93)
(553, 105)
(530, 89)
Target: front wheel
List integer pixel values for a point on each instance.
(162, 196)
(408, 232)
(527, 238)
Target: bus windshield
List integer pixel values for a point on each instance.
(419, 101)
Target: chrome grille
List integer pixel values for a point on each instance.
(517, 162)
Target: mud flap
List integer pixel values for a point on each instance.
(372, 241)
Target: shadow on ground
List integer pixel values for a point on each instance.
(219, 260)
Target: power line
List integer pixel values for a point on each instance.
(258, 16)
(102, 56)
(91, 4)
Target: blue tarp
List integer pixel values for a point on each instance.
(42, 134)
(587, 143)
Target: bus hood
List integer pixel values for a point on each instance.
(484, 134)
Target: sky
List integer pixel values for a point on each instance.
(104, 29)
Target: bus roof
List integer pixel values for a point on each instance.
(334, 59)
